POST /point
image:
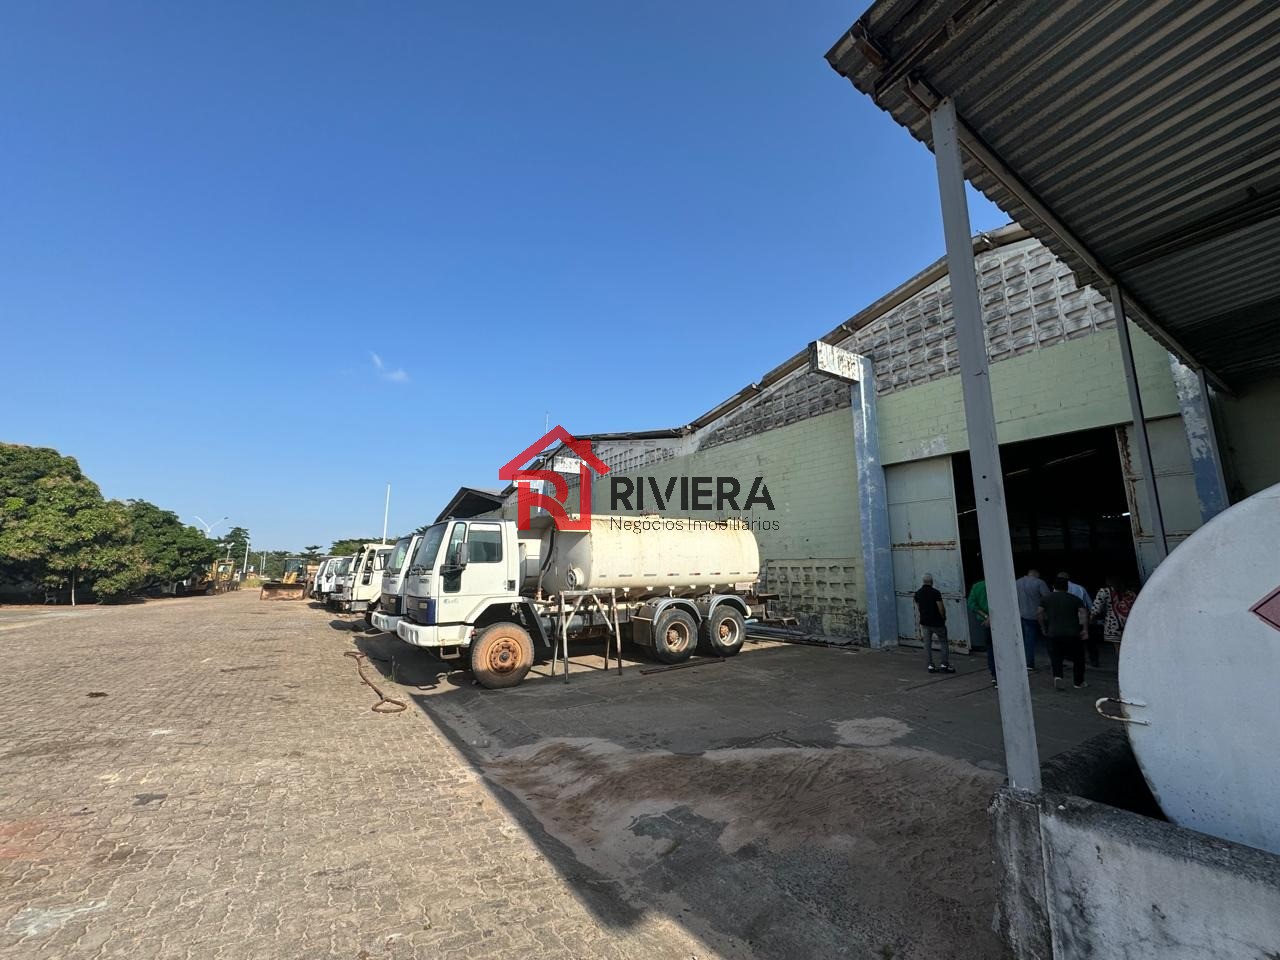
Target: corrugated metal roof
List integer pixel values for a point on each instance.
(1149, 130)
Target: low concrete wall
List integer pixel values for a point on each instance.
(1081, 879)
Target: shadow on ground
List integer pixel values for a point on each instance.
(794, 801)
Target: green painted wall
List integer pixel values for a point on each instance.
(813, 560)
(1060, 389)
(1249, 434)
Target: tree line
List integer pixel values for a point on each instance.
(59, 533)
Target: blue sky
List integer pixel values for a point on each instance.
(262, 259)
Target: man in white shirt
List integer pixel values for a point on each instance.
(1076, 590)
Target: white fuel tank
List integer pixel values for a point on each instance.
(642, 557)
(1201, 662)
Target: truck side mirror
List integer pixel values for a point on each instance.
(461, 555)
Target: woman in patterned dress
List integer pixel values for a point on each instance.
(1112, 605)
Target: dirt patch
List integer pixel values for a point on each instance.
(871, 731)
(903, 832)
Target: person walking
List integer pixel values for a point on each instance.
(1065, 621)
(1090, 640)
(1112, 606)
(977, 603)
(1031, 590)
(931, 623)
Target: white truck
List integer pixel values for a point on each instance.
(329, 576)
(483, 590)
(388, 612)
(322, 575)
(363, 581)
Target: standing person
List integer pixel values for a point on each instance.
(1065, 621)
(977, 602)
(1112, 605)
(1031, 590)
(931, 622)
(1090, 641)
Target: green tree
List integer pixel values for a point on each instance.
(344, 548)
(173, 550)
(233, 542)
(60, 530)
(312, 552)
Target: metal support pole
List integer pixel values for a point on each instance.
(873, 510)
(386, 512)
(1202, 438)
(1022, 758)
(1140, 438)
(859, 372)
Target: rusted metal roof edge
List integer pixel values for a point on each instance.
(862, 59)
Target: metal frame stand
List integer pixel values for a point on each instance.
(560, 652)
(1022, 758)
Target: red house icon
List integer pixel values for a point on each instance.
(514, 471)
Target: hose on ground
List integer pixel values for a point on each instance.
(385, 704)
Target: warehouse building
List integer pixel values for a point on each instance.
(1073, 483)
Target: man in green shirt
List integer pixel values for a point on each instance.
(977, 602)
(1065, 621)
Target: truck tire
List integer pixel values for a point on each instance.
(724, 631)
(675, 634)
(369, 611)
(501, 655)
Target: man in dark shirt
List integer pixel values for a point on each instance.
(1065, 621)
(931, 616)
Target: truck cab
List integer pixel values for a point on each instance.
(363, 584)
(461, 569)
(388, 613)
(322, 571)
(327, 582)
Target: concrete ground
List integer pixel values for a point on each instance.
(204, 778)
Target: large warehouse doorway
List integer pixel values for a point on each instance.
(1068, 508)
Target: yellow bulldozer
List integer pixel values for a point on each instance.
(292, 585)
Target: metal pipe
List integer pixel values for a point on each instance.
(386, 512)
(1022, 758)
(1140, 437)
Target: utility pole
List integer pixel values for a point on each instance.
(386, 512)
(244, 567)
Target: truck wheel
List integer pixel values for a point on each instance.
(724, 631)
(501, 655)
(674, 636)
(369, 611)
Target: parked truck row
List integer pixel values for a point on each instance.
(487, 594)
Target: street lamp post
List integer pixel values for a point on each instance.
(208, 528)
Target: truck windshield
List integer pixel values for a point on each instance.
(399, 554)
(424, 558)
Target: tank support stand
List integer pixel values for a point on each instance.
(608, 612)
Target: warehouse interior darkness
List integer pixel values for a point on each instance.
(1067, 504)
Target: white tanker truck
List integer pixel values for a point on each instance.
(386, 613)
(483, 590)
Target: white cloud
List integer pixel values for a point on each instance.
(398, 375)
